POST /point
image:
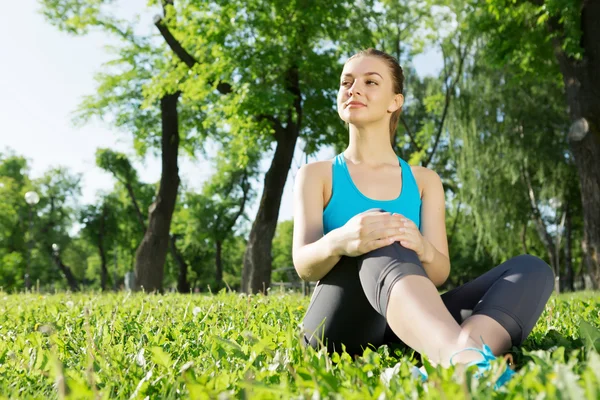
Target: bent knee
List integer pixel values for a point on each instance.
(533, 265)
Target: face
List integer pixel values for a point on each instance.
(366, 92)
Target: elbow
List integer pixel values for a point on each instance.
(301, 270)
(304, 274)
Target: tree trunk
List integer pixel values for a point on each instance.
(152, 252)
(582, 86)
(103, 267)
(256, 274)
(568, 251)
(68, 274)
(524, 237)
(219, 263)
(559, 232)
(183, 285)
(136, 206)
(539, 222)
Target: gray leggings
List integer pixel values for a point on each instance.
(349, 304)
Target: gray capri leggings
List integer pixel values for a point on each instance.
(349, 304)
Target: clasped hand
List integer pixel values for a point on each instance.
(371, 230)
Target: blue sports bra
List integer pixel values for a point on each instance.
(347, 201)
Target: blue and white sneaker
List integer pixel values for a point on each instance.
(485, 365)
(418, 374)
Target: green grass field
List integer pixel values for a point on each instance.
(135, 346)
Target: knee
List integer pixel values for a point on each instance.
(393, 251)
(532, 265)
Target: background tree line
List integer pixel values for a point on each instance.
(510, 123)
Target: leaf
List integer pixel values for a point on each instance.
(237, 350)
(590, 335)
(160, 357)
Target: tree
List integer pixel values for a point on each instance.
(281, 79)
(513, 162)
(215, 212)
(59, 191)
(14, 183)
(570, 38)
(119, 166)
(144, 101)
(101, 228)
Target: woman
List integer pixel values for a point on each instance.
(371, 230)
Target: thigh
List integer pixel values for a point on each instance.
(339, 312)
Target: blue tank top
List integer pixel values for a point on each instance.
(347, 201)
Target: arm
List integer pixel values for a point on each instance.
(313, 254)
(436, 260)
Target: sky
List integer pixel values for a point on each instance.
(44, 75)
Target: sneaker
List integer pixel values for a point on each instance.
(417, 373)
(485, 365)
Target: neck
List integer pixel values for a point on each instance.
(370, 145)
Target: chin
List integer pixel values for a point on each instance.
(358, 120)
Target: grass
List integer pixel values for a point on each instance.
(221, 346)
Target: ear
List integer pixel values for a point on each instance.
(396, 104)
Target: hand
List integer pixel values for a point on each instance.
(411, 238)
(368, 231)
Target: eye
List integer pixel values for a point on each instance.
(369, 82)
(344, 83)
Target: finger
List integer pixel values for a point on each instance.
(378, 243)
(408, 231)
(374, 213)
(376, 217)
(410, 223)
(381, 228)
(408, 244)
(384, 233)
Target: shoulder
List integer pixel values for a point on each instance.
(314, 173)
(315, 170)
(427, 179)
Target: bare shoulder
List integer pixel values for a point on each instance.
(426, 179)
(315, 175)
(316, 170)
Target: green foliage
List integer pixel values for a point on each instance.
(232, 346)
(282, 253)
(518, 34)
(14, 183)
(508, 143)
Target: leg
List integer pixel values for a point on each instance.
(504, 304)
(340, 313)
(397, 286)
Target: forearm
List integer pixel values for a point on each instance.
(313, 261)
(436, 264)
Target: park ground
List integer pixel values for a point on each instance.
(231, 345)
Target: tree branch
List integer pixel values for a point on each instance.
(453, 230)
(541, 226)
(174, 43)
(410, 135)
(449, 91)
(184, 56)
(245, 191)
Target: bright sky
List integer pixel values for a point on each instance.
(44, 75)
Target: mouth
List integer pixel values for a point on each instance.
(355, 104)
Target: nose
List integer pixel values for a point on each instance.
(354, 89)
